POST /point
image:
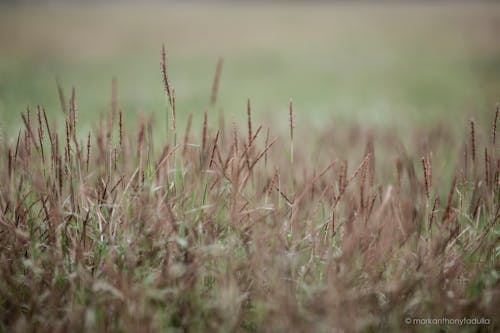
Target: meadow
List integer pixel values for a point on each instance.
(385, 65)
(332, 168)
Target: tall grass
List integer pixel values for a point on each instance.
(112, 234)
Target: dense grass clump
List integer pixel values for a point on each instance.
(238, 230)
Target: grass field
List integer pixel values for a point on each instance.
(369, 202)
(386, 65)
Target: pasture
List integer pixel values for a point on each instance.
(337, 171)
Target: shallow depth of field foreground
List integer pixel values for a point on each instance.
(159, 226)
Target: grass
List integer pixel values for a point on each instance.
(194, 195)
(387, 65)
(232, 229)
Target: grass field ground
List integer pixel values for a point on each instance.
(370, 202)
(383, 64)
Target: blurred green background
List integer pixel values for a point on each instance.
(381, 64)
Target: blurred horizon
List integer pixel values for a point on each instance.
(386, 64)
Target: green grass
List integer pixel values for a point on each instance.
(384, 64)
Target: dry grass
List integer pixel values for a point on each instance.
(232, 235)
